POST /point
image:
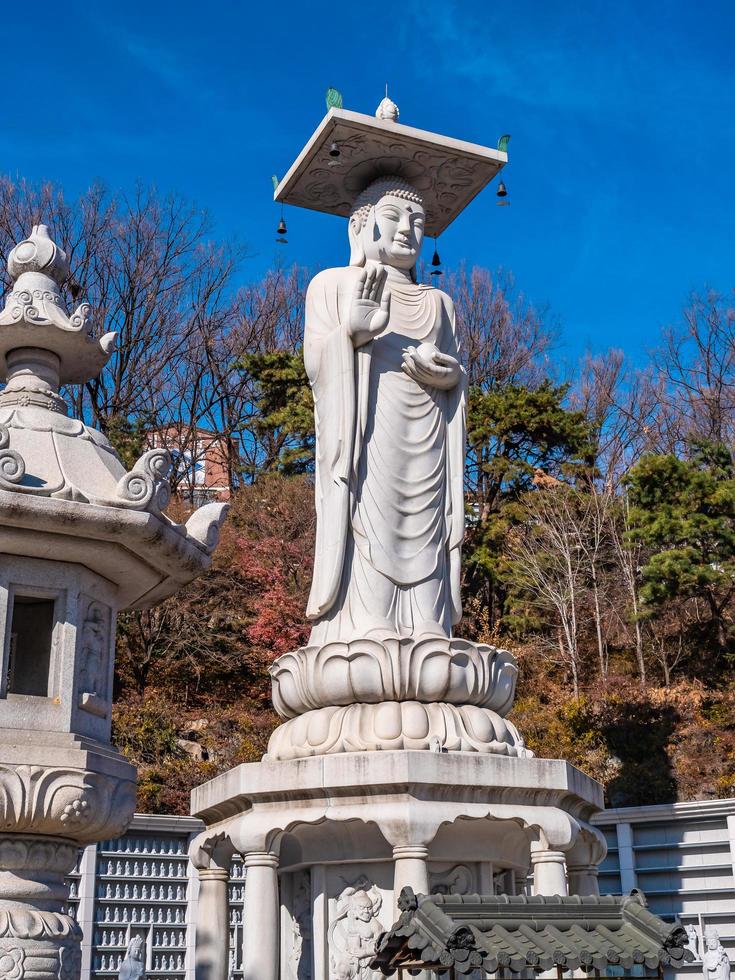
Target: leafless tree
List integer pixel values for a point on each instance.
(151, 273)
(629, 558)
(504, 338)
(594, 542)
(697, 369)
(551, 565)
(621, 404)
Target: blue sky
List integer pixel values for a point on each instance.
(621, 171)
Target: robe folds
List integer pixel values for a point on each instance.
(389, 482)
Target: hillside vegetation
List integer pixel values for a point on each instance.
(600, 542)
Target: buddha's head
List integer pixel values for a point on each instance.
(387, 224)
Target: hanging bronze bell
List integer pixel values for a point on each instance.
(435, 258)
(501, 191)
(334, 150)
(281, 229)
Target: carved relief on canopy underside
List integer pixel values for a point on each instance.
(449, 173)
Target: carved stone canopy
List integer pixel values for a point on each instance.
(448, 172)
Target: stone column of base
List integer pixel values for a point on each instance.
(583, 879)
(549, 872)
(520, 880)
(37, 939)
(409, 868)
(213, 925)
(261, 948)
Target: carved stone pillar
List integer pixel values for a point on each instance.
(212, 857)
(261, 946)
(212, 925)
(549, 872)
(409, 868)
(583, 859)
(583, 879)
(36, 938)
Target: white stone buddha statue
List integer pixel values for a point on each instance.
(382, 355)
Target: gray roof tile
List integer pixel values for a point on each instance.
(518, 931)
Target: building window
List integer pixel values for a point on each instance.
(31, 639)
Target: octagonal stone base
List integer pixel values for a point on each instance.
(330, 841)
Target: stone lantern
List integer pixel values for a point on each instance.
(81, 539)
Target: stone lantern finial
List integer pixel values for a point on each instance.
(34, 314)
(38, 253)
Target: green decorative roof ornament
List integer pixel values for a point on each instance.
(274, 178)
(503, 143)
(334, 99)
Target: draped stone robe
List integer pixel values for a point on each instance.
(389, 469)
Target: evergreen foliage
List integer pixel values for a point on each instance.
(285, 414)
(683, 511)
(600, 544)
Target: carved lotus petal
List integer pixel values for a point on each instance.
(353, 671)
(29, 924)
(13, 853)
(395, 725)
(367, 671)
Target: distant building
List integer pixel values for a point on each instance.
(200, 457)
(682, 857)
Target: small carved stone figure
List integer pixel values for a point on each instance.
(354, 933)
(692, 940)
(133, 966)
(457, 881)
(300, 957)
(715, 963)
(94, 650)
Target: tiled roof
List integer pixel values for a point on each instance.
(518, 932)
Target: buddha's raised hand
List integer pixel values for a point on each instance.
(370, 305)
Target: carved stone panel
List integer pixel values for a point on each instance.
(457, 880)
(65, 802)
(94, 653)
(354, 931)
(299, 950)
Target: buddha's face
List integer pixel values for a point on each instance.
(394, 232)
